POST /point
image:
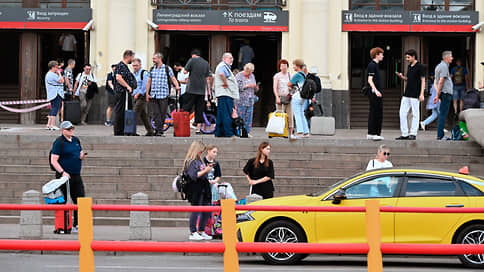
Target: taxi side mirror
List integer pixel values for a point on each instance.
(338, 196)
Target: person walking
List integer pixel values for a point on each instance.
(198, 192)
(54, 85)
(123, 85)
(299, 104)
(67, 157)
(139, 95)
(226, 90)
(444, 88)
(110, 93)
(196, 91)
(413, 95)
(247, 88)
(375, 115)
(458, 73)
(381, 159)
(259, 171)
(431, 106)
(158, 90)
(83, 81)
(282, 93)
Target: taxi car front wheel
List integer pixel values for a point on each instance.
(474, 235)
(282, 232)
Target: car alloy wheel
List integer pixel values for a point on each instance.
(473, 235)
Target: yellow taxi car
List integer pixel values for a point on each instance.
(392, 187)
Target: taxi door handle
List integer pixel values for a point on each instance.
(454, 205)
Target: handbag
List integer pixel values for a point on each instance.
(366, 90)
(276, 124)
(285, 99)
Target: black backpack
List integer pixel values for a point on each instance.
(182, 184)
(317, 80)
(239, 129)
(309, 87)
(61, 139)
(471, 99)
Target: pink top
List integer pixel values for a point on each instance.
(282, 80)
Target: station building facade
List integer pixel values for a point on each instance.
(333, 38)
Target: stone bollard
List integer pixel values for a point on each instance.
(139, 222)
(30, 221)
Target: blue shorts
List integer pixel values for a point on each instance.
(459, 91)
(55, 105)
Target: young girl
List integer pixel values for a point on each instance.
(215, 175)
(259, 171)
(199, 193)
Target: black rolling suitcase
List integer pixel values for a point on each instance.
(129, 120)
(72, 111)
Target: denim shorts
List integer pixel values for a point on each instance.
(459, 91)
(55, 105)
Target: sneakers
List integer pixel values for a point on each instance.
(196, 236)
(108, 123)
(445, 138)
(412, 137)
(250, 136)
(422, 125)
(402, 138)
(293, 137)
(445, 130)
(374, 137)
(75, 230)
(206, 236)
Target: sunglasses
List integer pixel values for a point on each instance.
(71, 128)
(386, 153)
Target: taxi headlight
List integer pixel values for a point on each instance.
(244, 217)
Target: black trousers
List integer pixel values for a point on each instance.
(375, 115)
(197, 100)
(119, 109)
(76, 187)
(159, 108)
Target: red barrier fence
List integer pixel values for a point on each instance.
(229, 239)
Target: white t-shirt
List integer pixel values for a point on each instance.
(376, 164)
(69, 43)
(182, 77)
(82, 79)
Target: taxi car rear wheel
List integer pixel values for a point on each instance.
(282, 232)
(473, 234)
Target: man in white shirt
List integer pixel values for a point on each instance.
(83, 81)
(182, 78)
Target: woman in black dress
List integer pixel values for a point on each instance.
(259, 171)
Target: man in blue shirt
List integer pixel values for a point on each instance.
(139, 95)
(158, 89)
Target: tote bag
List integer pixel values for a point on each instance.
(276, 123)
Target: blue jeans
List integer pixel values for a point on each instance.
(55, 105)
(201, 217)
(445, 100)
(223, 126)
(298, 107)
(431, 118)
(246, 112)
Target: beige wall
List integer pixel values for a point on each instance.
(315, 36)
(120, 25)
(479, 56)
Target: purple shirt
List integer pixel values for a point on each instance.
(247, 94)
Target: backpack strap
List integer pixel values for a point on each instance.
(373, 163)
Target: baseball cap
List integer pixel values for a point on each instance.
(66, 125)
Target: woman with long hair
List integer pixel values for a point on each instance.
(199, 192)
(259, 171)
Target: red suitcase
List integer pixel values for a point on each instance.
(63, 222)
(181, 124)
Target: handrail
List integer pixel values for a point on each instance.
(374, 248)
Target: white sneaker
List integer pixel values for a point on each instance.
(54, 128)
(293, 137)
(250, 136)
(195, 236)
(422, 125)
(377, 138)
(445, 130)
(206, 236)
(75, 230)
(370, 137)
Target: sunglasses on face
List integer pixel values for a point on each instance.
(386, 153)
(71, 128)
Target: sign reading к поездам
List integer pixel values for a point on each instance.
(409, 21)
(221, 20)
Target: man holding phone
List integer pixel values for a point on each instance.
(413, 95)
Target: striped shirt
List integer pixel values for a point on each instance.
(160, 87)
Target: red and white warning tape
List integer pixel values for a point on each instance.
(23, 102)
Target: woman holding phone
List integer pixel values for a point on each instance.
(259, 171)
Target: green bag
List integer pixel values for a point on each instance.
(464, 131)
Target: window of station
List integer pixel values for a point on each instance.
(376, 4)
(447, 5)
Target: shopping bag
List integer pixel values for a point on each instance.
(276, 124)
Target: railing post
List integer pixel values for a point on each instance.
(229, 228)
(373, 234)
(86, 254)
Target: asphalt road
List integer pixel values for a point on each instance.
(171, 262)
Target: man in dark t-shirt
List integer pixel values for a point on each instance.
(124, 82)
(414, 93)
(375, 114)
(197, 86)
